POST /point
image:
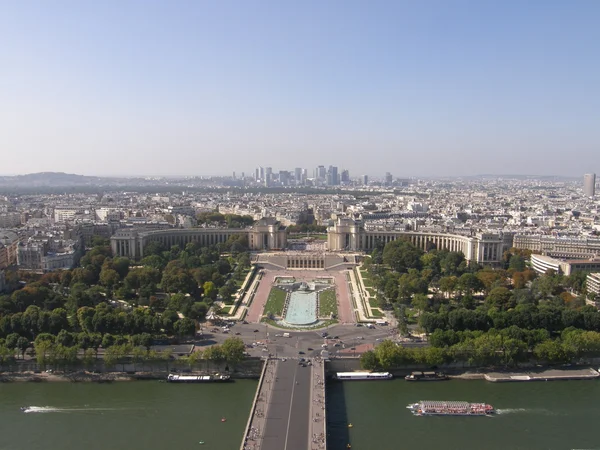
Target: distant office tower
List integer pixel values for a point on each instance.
(284, 177)
(365, 179)
(345, 177)
(268, 176)
(388, 178)
(261, 173)
(589, 184)
(298, 176)
(234, 175)
(320, 173)
(257, 174)
(332, 176)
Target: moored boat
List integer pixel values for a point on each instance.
(426, 376)
(363, 376)
(441, 408)
(176, 378)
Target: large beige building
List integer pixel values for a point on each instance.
(265, 234)
(9, 244)
(484, 248)
(559, 247)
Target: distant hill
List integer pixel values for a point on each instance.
(53, 179)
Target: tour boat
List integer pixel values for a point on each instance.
(175, 378)
(426, 376)
(440, 408)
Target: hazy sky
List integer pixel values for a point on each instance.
(417, 87)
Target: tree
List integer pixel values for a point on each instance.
(185, 327)
(109, 278)
(369, 361)
(22, 344)
(11, 341)
(233, 349)
(500, 298)
(517, 263)
(401, 255)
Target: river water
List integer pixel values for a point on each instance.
(534, 415)
(138, 415)
(152, 415)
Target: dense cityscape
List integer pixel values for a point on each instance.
(299, 225)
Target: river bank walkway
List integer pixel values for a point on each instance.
(543, 375)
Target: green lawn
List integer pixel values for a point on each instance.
(275, 302)
(327, 303)
(372, 292)
(376, 313)
(366, 277)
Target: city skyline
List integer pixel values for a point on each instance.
(431, 89)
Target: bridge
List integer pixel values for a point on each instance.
(288, 412)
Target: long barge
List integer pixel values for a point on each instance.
(441, 408)
(176, 378)
(347, 376)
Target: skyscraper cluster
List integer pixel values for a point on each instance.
(321, 176)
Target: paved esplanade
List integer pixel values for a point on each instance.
(291, 412)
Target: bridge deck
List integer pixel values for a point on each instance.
(290, 412)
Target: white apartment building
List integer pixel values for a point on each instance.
(593, 283)
(66, 213)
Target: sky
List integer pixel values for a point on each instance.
(415, 88)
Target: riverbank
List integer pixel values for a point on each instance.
(546, 374)
(105, 377)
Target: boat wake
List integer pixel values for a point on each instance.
(524, 411)
(52, 409)
(511, 410)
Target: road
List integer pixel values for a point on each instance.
(288, 413)
(308, 342)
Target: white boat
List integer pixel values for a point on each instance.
(363, 376)
(176, 378)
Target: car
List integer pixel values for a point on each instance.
(255, 331)
(238, 333)
(359, 324)
(324, 334)
(310, 349)
(336, 337)
(225, 331)
(352, 348)
(336, 344)
(301, 352)
(301, 360)
(245, 322)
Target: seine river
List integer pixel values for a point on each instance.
(152, 415)
(137, 415)
(536, 415)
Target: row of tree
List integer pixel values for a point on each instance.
(507, 347)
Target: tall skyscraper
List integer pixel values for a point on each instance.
(388, 178)
(365, 179)
(589, 184)
(298, 176)
(332, 176)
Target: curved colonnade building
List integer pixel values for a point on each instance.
(484, 248)
(348, 235)
(265, 234)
